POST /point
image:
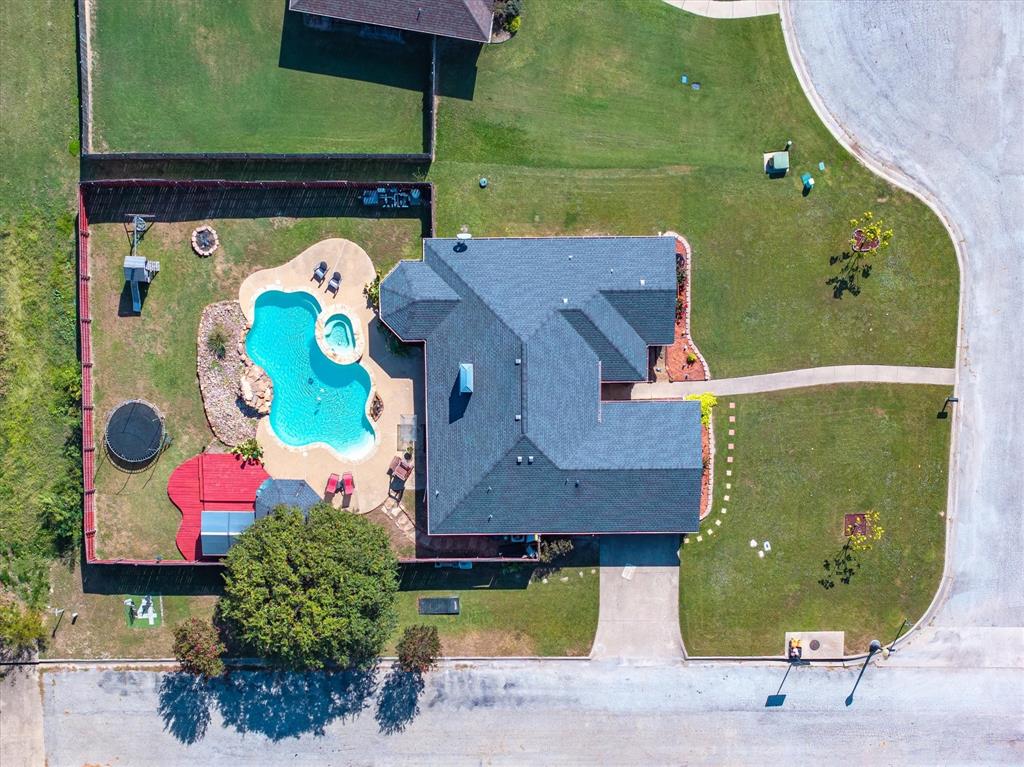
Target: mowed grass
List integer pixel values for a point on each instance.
(581, 126)
(802, 460)
(39, 450)
(503, 612)
(153, 356)
(247, 76)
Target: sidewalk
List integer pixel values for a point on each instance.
(727, 9)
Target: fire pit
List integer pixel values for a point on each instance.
(205, 240)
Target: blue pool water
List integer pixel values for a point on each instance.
(315, 399)
(339, 333)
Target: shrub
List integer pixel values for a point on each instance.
(514, 24)
(419, 648)
(707, 403)
(372, 292)
(249, 451)
(21, 629)
(198, 648)
(691, 358)
(217, 342)
(554, 548)
(333, 579)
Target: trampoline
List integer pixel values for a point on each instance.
(134, 435)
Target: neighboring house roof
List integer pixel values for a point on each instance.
(464, 19)
(533, 449)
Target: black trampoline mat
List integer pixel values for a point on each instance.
(134, 432)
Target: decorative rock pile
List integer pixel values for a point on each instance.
(231, 417)
(256, 388)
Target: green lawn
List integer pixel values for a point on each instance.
(802, 460)
(153, 356)
(245, 76)
(40, 485)
(503, 612)
(581, 126)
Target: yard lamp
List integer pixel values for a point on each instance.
(949, 400)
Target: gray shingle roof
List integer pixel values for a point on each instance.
(464, 19)
(533, 449)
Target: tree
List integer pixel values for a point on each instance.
(21, 629)
(308, 593)
(869, 235)
(372, 292)
(418, 649)
(198, 648)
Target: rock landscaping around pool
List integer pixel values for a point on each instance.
(221, 364)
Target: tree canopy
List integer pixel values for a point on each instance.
(310, 592)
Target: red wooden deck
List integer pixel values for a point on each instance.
(210, 481)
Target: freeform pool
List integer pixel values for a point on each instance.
(315, 399)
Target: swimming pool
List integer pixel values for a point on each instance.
(315, 399)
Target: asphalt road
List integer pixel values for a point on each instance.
(565, 712)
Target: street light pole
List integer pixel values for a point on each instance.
(874, 647)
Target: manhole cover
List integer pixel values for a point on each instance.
(815, 644)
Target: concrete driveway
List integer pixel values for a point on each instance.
(943, 84)
(639, 618)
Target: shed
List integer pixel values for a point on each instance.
(220, 529)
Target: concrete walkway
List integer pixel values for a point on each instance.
(727, 9)
(639, 618)
(796, 379)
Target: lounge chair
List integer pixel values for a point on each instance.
(335, 283)
(320, 272)
(348, 483)
(332, 487)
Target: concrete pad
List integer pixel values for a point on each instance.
(831, 644)
(21, 718)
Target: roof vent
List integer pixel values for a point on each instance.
(519, 417)
(565, 300)
(519, 361)
(529, 459)
(519, 460)
(642, 282)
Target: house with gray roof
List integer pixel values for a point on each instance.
(463, 19)
(519, 334)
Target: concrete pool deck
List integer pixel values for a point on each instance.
(395, 378)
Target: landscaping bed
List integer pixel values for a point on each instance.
(222, 325)
(802, 461)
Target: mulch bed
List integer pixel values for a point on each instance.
(705, 480)
(856, 524)
(676, 363)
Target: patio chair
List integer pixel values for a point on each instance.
(335, 283)
(320, 272)
(348, 482)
